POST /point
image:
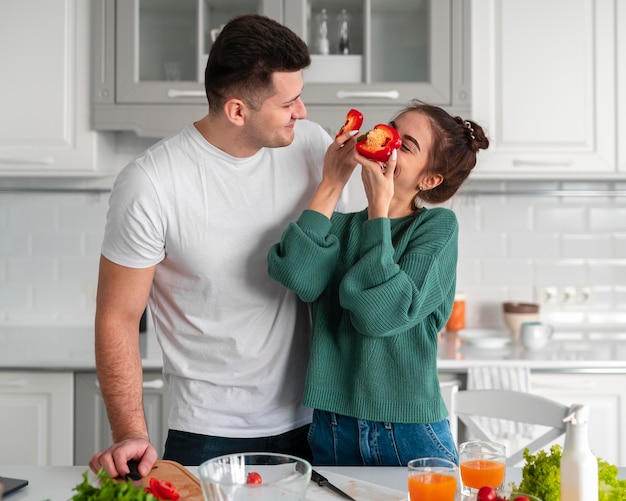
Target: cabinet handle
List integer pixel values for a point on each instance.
(348, 94)
(155, 384)
(174, 93)
(15, 383)
(542, 163)
(25, 161)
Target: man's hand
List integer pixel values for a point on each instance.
(115, 459)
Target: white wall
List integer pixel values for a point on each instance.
(49, 250)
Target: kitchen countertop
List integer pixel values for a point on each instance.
(55, 483)
(71, 349)
(585, 351)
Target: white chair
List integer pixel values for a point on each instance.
(510, 405)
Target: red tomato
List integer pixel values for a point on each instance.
(354, 120)
(521, 498)
(486, 494)
(254, 478)
(162, 489)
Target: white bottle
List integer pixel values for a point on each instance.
(579, 467)
(323, 45)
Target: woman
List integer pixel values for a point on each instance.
(381, 283)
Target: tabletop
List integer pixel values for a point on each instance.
(55, 483)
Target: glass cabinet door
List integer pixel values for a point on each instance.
(375, 51)
(162, 45)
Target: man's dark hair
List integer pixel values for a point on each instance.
(249, 49)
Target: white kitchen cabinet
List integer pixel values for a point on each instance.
(606, 396)
(93, 431)
(45, 91)
(544, 86)
(621, 85)
(36, 418)
(151, 54)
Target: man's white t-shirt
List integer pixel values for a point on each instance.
(235, 343)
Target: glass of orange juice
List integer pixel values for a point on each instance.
(432, 479)
(481, 464)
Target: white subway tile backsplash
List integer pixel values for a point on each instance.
(587, 246)
(607, 218)
(560, 218)
(58, 244)
(508, 243)
(24, 270)
(534, 245)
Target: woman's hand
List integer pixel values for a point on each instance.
(339, 163)
(377, 180)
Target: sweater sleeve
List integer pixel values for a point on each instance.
(306, 257)
(396, 285)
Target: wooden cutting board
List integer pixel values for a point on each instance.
(187, 485)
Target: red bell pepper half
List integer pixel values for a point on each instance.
(378, 143)
(162, 489)
(354, 120)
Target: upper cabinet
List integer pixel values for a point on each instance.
(621, 84)
(151, 55)
(45, 101)
(544, 84)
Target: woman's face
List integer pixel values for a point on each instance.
(417, 138)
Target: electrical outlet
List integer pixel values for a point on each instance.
(546, 294)
(564, 295)
(567, 295)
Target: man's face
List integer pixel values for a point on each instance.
(272, 125)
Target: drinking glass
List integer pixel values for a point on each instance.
(282, 477)
(432, 479)
(481, 464)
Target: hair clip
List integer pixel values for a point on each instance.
(471, 129)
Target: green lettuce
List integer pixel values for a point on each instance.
(541, 477)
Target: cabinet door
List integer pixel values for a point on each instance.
(543, 85)
(93, 431)
(621, 86)
(45, 97)
(36, 418)
(606, 396)
(162, 46)
(383, 52)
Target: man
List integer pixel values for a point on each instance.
(189, 225)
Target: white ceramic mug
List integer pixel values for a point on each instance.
(535, 335)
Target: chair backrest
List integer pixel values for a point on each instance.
(515, 406)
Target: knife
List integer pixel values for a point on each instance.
(322, 481)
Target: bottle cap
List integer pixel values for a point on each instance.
(578, 414)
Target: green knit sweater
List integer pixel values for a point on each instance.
(381, 290)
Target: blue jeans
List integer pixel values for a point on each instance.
(338, 440)
(191, 449)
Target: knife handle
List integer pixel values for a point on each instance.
(317, 478)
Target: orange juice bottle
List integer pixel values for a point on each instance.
(477, 473)
(456, 322)
(432, 487)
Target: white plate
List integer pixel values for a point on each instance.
(486, 338)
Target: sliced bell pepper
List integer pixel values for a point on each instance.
(378, 143)
(354, 120)
(162, 489)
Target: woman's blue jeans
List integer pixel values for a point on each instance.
(345, 441)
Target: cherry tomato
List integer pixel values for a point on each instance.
(254, 478)
(521, 498)
(486, 494)
(162, 489)
(354, 120)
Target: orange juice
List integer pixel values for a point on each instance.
(431, 487)
(477, 473)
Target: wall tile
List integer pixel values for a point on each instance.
(587, 246)
(560, 218)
